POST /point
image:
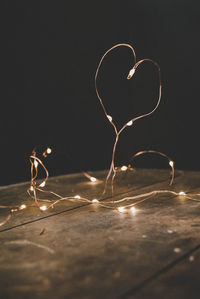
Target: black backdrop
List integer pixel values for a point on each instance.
(50, 56)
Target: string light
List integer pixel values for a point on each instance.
(124, 168)
(109, 117)
(135, 199)
(133, 210)
(181, 193)
(95, 200)
(22, 207)
(93, 179)
(121, 209)
(43, 208)
(112, 170)
(42, 184)
(129, 123)
(36, 163)
(49, 150)
(131, 73)
(106, 204)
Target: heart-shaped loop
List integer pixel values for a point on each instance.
(131, 121)
(96, 75)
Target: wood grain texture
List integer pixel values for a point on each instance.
(85, 251)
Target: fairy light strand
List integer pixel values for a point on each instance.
(130, 122)
(129, 202)
(105, 203)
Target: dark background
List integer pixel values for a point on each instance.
(50, 56)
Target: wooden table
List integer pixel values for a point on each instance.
(81, 250)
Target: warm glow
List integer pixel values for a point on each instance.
(92, 179)
(77, 197)
(181, 193)
(22, 207)
(124, 168)
(121, 209)
(36, 164)
(43, 208)
(171, 163)
(177, 250)
(31, 188)
(95, 201)
(42, 184)
(131, 73)
(133, 209)
(109, 117)
(129, 123)
(49, 150)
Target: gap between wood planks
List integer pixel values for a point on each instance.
(78, 207)
(133, 291)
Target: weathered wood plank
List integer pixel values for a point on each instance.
(71, 185)
(93, 252)
(179, 279)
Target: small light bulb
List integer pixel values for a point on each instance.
(22, 207)
(36, 164)
(191, 258)
(131, 73)
(129, 123)
(124, 168)
(92, 179)
(43, 208)
(121, 209)
(31, 188)
(182, 193)
(133, 210)
(95, 200)
(42, 184)
(49, 150)
(177, 250)
(109, 117)
(171, 163)
(77, 196)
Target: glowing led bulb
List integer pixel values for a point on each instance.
(95, 200)
(181, 193)
(133, 209)
(43, 208)
(77, 196)
(36, 164)
(171, 163)
(131, 73)
(109, 117)
(121, 209)
(129, 123)
(42, 184)
(92, 179)
(124, 168)
(49, 150)
(22, 207)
